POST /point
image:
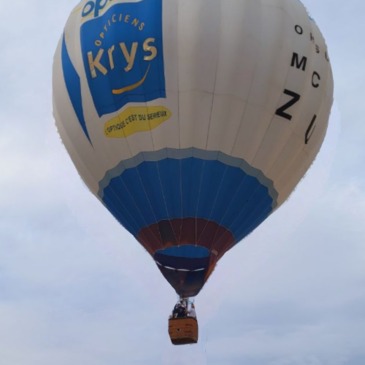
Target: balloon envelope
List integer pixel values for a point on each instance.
(191, 120)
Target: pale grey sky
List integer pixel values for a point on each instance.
(75, 288)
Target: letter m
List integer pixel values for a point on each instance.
(299, 64)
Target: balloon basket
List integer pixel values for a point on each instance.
(183, 331)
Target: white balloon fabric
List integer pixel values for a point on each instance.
(191, 120)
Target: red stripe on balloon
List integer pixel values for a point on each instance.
(187, 231)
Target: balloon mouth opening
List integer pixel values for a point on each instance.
(183, 258)
(185, 267)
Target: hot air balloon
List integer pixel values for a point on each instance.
(191, 120)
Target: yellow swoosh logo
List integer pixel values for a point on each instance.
(133, 86)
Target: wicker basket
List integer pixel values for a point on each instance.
(183, 331)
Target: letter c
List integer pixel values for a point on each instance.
(314, 83)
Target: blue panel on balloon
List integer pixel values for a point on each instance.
(73, 86)
(187, 188)
(185, 251)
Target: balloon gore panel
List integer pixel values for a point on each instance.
(212, 204)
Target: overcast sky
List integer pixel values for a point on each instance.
(75, 288)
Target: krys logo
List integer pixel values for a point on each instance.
(123, 52)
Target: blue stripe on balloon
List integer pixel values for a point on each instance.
(172, 188)
(185, 251)
(73, 86)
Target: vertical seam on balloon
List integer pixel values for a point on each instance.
(209, 127)
(303, 92)
(207, 140)
(164, 198)
(319, 111)
(218, 153)
(213, 95)
(213, 207)
(253, 159)
(158, 166)
(228, 208)
(162, 189)
(126, 189)
(140, 177)
(235, 142)
(158, 172)
(199, 181)
(215, 81)
(233, 146)
(132, 196)
(272, 118)
(179, 117)
(257, 212)
(259, 147)
(77, 107)
(113, 204)
(106, 154)
(105, 150)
